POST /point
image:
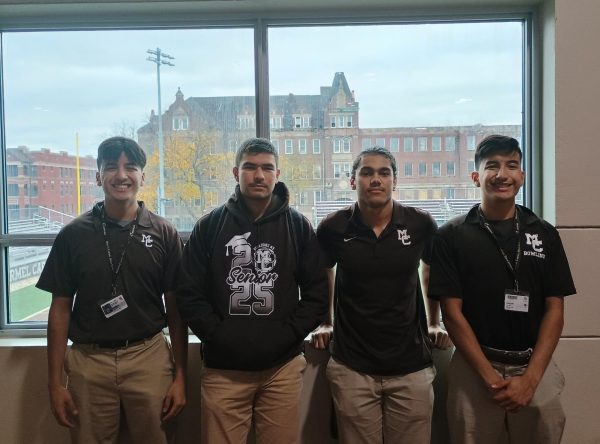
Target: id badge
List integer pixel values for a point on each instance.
(114, 306)
(516, 301)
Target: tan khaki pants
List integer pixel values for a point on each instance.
(474, 417)
(374, 409)
(106, 383)
(231, 399)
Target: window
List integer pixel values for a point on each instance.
(302, 146)
(366, 143)
(380, 141)
(180, 123)
(316, 171)
(450, 143)
(275, 122)
(13, 189)
(276, 145)
(246, 122)
(471, 142)
(436, 169)
(214, 111)
(316, 146)
(337, 145)
(450, 168)
(470, 167)
(318, 196)
(302, 198)
(341, 169)
(347, 142)
(422, 143)
(422, 169)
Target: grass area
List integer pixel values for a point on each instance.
(27, 301)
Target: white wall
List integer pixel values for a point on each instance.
(577, 95)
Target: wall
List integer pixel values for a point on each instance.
(577, 96)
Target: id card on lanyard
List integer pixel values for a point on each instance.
(514, 299)
(117, 302)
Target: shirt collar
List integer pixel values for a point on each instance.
(526, 216)
(144, 221)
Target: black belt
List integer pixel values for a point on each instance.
(121, 343)
(513, 357)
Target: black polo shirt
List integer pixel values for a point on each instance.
(467, 264)
(380, 323)
(78, 267)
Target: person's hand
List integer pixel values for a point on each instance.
(321, 336)
(514, 393)
(439, 337)
(63, 407)
(174, 401)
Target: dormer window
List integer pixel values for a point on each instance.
(180, 123)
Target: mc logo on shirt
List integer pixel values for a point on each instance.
(404, 237)
(536, 246)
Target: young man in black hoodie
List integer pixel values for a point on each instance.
(244, 264)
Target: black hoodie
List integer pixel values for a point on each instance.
(241, 299)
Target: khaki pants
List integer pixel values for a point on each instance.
(232, 398)
(474, 417)
(107, 382)
(375, 409)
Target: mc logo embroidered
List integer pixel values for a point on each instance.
(147, 240)
(536, 244)
(404, 237)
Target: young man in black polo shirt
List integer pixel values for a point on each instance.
(381, 370)
(107, 272)
(501, 274)
(255, 287)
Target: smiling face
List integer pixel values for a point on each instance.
(120, 180)
(257, 175)
(374, 181)
(500, 177)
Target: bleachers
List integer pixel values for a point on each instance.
(440, 209)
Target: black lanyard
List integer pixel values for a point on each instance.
(513, 269)
(115, 272)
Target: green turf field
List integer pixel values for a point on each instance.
(27, 301)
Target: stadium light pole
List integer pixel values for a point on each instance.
(160, 58)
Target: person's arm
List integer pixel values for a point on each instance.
(192, 300)
(321, 336)
(517, 391)
(439, 337)
(311, 309)
(61, 402)
(175, 399)
(466, 342)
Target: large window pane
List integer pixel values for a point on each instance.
(27, 303)
(418, 87)
(64, 92)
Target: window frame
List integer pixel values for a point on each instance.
(261, 22)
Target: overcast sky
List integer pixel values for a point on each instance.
(57, 84)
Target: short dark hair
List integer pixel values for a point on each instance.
(110, 150)
(375, 151)
(496, 144)
(256, 145)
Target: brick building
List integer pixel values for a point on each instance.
(319, 135)
(43, 184)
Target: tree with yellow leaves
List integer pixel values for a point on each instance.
(194, 173)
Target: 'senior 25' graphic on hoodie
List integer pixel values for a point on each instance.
(251, 285)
